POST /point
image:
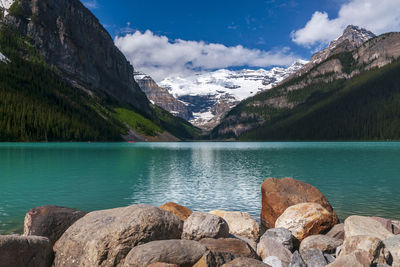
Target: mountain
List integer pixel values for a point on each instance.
(349, 91)
(66, 80)
(210, 95)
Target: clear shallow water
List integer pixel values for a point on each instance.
(357, 178)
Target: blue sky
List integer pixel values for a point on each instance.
(268, 29)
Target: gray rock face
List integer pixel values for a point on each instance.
(180, 252)
(323, 243)
(25, 251)
(273, 261)
(104, 238)
(201, 225)
(283, 236)
(314, 257)
(50, 221)
(296, 260)
(245, 262)
(270, 247)
(71, 38)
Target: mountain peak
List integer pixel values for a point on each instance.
(355, 35)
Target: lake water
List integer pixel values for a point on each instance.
(357, 178)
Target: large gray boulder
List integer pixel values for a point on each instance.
(314, 258)
(201, 225)
(50, 221)
(25, 251)
(360, 225)
(283, 236)
(392, 244)
(321, 242)
(179, 252)
(270, 247)
(104, 238)
(296, 260)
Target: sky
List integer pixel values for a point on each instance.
(180, 38)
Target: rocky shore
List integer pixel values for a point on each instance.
(299, 228)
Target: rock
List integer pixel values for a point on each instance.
(105, 237)
(360, 225)
(279, 194)
(245, 262)
(371, 247)
(356, 259)
(296, 260)
(203, 225)
(314, 258)
(270, 247)
(329, 258)
(236, 247)
(214, 259)
(338, 250)
(182, 212)
(251, 242)
(387, 223)
(22, 251)
(179, 252)
(323, 243)
(392, 244)
(50, 221)
(273, 261)
(162, 264)
(306, 219)
(240, 223)
(396, 227)
(283, 236)
(337, 231)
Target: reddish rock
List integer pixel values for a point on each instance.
(279, 194)
(50, 221)
(236, 247)
(182, 212)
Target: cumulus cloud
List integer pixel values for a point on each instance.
(377, 16)
(91, 4)
(160, 57)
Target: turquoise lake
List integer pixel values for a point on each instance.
(357, 178)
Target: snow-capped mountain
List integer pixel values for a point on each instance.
(212, 94)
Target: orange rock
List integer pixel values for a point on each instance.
(182, 212)
(279, 194)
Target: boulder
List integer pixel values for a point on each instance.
(50, 221)
(356, 259)
(245, 262)
(162, 264)
(240, 223)
(283, 236)
(201, 225)
(105, 237)
(251, 242)
(214, 259)
(182, 212)
(296, 260)
(279, 194)
(371, 247)
(273, 261)
(306, 219)
(360, 225)
(314, 258)
(323, 243)
(270, 247)
(387, 223)
(21, 251)
(329, 258)
(337, 231)
(179, 252)
(392, 244)
(396, 227)
(236, 247)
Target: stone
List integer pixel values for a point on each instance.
(338, 250)
(396, 227)
(50, 221)
(273, 261)
(329, 258)
(182, 212)
(356, 259)
(392, 244)
(314, 258)
(270, 247)
(360, 225)
(279, 194)
(240, 223)
(179, 252)
(371, 247)
(245, 262)
(214, 259)
(236, 247)
(306, 219)
(337, 231)
(282, 235)
(251, 242)
(387, 223)
(201, 225)
(21, 251)
(104, 238)
(323, 243)
(162, 264)
(296, 260)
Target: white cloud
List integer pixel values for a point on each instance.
(378, 16)
(160, 57)
(91, 4)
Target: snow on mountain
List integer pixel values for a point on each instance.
(3, 58)
(5, 4)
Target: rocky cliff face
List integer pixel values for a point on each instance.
(161, 97)
(71, 38)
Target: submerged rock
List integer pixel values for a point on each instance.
(279, 194)
(201, 225)
(306, 219)
(182, 212)
(104, 238)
